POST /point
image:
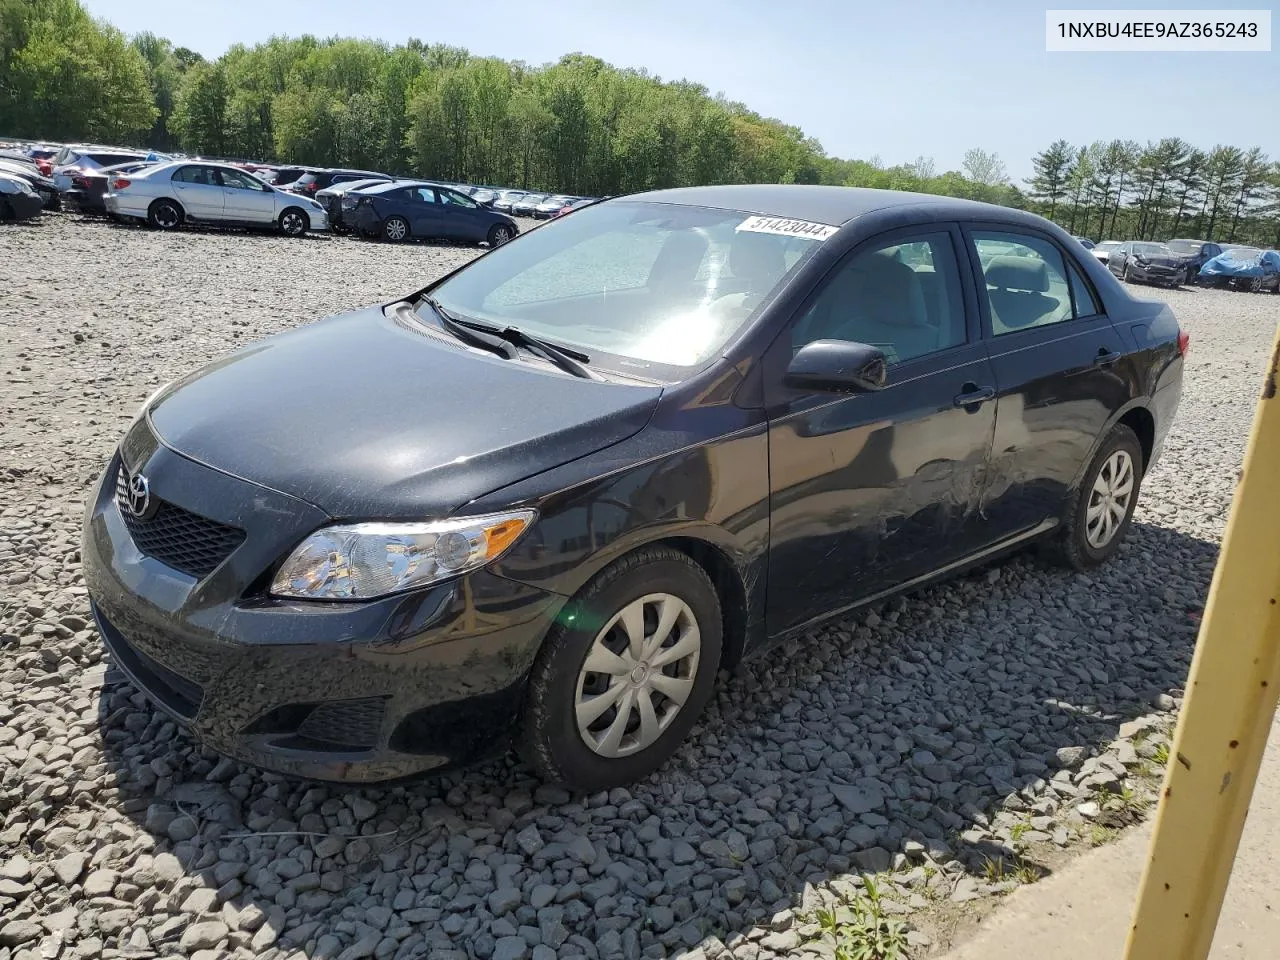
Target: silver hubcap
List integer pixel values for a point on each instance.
(1109, 499)
(500, 236)
(638, 674)
(166, 216)
(292, 223)
(395, 229)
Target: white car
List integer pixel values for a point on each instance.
(171, 194)
(75, 158)
(1104, 249)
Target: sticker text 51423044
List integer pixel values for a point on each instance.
(784, 227)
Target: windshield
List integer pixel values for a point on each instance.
(1106, 245)
(1151, 249)
(651, 282)
(1244, 253)
(1185, 246)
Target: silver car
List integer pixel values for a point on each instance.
(171, 194)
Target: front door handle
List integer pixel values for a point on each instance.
(1105, 357)
(973, 396)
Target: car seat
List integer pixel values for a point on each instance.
(1016, 290)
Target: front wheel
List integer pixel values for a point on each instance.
(395, 230)
(1125, 276)
(499, 234)
(1101, 509)
(623, 676)
(293, 222)
(1255, 285)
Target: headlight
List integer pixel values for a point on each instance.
(364, 560)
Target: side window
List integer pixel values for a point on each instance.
(456, 199)
(193, 175)
(1026, 281)
(1085, 302)
(424, 195)
(904, 298)
(237, 180)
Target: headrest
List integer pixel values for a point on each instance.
(1018, 273)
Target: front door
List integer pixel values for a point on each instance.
(1060, 372)
(245, 199)
(873, 489)
(196, 187)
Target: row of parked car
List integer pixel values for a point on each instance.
(167, 192)
(1201, 262)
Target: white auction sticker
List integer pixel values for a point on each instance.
(1094, 31)
(788, 228)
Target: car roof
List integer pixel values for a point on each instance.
(383, 187)
(820, 203)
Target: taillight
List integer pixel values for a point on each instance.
(44, 166)
(81, 182)
(1184, 342)
(119, 183)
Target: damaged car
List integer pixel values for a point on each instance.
(544, 500)
(1243, 268)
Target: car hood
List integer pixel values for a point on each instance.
(367, 418)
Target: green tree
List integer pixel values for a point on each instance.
(1049, 182)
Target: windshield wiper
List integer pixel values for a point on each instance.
(467, 334)
(504, 340)
(570, 361)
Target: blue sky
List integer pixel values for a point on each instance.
(892, 79)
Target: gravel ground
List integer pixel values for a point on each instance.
(959, 741)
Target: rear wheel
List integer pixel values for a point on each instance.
(165, 215)
(293, 222)
(623, 676)
(499, 234)
(1255, 285)
(395, 229)
(1101, 509)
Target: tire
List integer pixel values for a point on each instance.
(6, 210)
(550, 737)
(1125, 275)
(293, 222)
(499, 234)
(395, 229)
(1255, 285)
(165, 215)
(1077, 545)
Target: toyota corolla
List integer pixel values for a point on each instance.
(547, 498)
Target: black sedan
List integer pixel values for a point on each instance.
(1146, 262)
(18, 199)
(546, 498)
(42, 185)
(89, 188)
(401, 210)
(1194, 254)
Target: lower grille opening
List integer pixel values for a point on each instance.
(333, 725)
(176, 692)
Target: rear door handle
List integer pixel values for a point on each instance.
(1105, 357)
(974, 395)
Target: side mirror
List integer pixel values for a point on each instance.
(839, 366)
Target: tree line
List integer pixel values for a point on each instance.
(1170, 188)
(579, 125)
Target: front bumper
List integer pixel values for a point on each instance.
(1154, 273)
(319, 219)
(353, 692)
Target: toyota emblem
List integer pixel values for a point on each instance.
(139, 495)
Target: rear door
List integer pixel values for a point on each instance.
(198, 189)
(426, 219)
(1059, 371)
(868, 491)
(245, 200)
